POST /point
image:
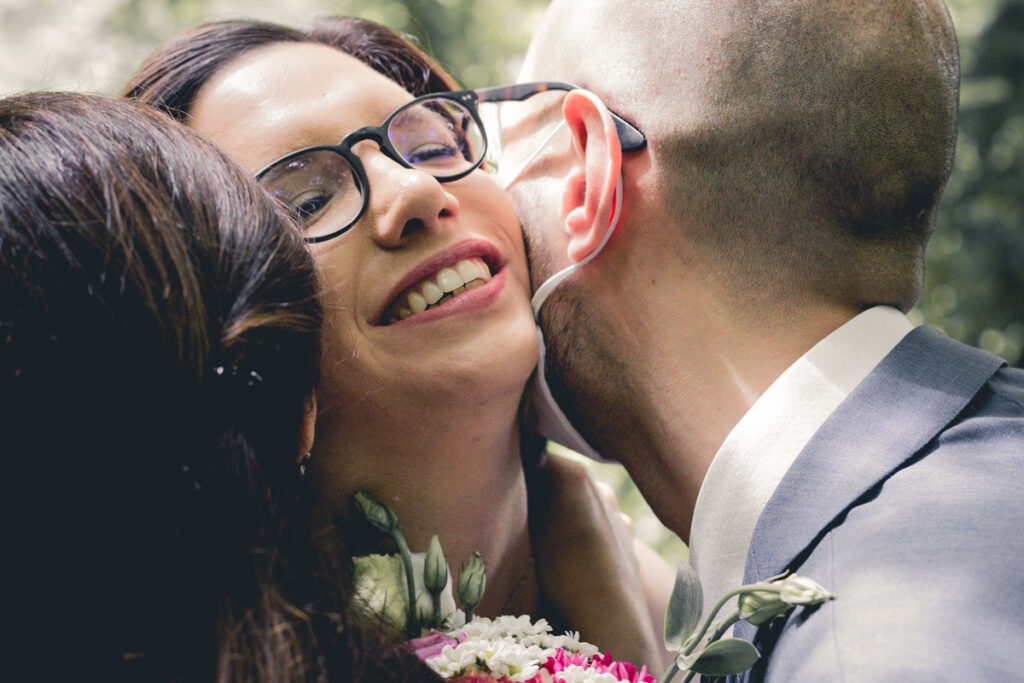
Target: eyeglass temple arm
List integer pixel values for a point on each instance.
(520, 91)
(631, 139)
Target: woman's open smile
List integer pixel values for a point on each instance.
(443, 291)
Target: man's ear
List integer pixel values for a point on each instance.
(588, 198)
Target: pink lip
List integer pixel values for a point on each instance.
(468, 249)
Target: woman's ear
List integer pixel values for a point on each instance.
(308, 426)
(588, 198)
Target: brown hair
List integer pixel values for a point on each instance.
(159, 337)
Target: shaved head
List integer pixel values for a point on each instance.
(803, 145)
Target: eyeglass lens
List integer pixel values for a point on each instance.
(439, 136)
(516, 127)
(319, 186)
(323, 189)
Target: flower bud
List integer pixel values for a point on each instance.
(472, 581)
(376, 513)
(757, 607)
(800, 590)
(435, 569)
(432, 608)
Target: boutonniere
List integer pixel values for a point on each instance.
(413, 591)
(700, 647)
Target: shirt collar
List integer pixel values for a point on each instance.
(765, 442)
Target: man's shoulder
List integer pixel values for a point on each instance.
(991, 424)
(1007, 388)
(931, 557)
(955, 500)
(926, 412)
(929, 373)
(931, 554)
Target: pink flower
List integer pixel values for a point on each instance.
(475, 676)
(623, 671)
(563, 660)
(431, 644)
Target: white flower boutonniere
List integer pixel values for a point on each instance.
(756, 603)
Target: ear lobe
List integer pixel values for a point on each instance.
(588, 198)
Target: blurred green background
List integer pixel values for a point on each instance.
(974, 283)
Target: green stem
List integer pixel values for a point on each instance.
(411, 620)
(726, 625)
(670, 672)
(673, 669)
(719, 632)
(766, 587)
(436, 623)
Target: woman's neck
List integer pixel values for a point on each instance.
(457, 474)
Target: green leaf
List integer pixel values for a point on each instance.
(684, 606)
(722, 658)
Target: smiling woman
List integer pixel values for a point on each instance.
(429, 339)
(386, 388)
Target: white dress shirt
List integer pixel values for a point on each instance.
(765, 442)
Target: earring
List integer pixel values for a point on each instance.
(304, 464)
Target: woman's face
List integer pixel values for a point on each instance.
(414, 232)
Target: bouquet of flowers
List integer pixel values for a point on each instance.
(518, 649)
(413, 590)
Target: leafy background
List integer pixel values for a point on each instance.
(974, 286)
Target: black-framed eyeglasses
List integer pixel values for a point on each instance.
(326, 185)
(631, 138)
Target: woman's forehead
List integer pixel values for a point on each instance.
(290, 95)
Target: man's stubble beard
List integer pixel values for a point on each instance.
(586, 382)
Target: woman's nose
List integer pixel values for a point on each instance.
(403, 201)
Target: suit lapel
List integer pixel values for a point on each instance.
(919, 388)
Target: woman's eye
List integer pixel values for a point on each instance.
(312, 183)
(310, 206)
(434, 152)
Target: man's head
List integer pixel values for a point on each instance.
(796, 153)
(800, 145)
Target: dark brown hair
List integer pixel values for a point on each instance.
(159, 337)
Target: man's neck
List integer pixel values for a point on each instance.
(702, 368)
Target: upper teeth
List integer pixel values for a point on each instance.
(438, 288)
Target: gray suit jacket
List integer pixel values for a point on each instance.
(908, 505)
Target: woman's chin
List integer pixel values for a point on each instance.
(430, 372)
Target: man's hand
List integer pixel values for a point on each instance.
(587, 565)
